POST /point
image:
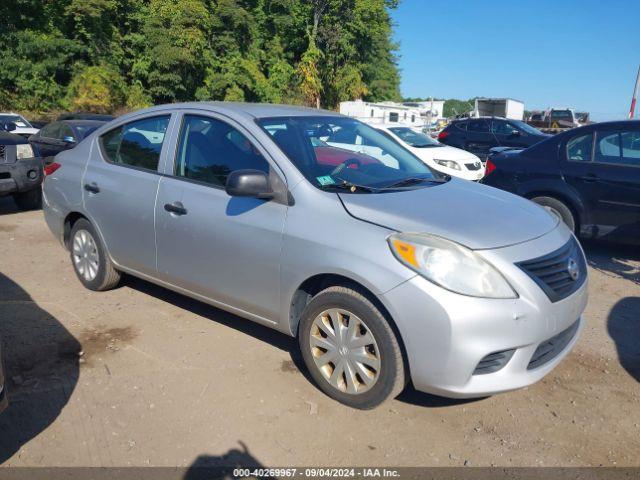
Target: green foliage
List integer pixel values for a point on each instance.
(108, 55)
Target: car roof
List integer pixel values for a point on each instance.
(84, 123)
(254, 110)
(390, 125)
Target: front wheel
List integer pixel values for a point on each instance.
(90, 261)
(350, 349)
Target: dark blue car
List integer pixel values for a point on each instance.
(588, 176)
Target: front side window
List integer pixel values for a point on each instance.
(334, 151)
(503, 128)
(579, 148)
(65, 132)
(51, 130)
(211, 149)
(136, 144)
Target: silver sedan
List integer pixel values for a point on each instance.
(325, 229)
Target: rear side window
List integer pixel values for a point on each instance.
(481, 126)
(579, 148)
(461, 125)
(136, 144)
(630, 143)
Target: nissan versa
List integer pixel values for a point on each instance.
(385, 272)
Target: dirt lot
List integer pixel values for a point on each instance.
(164, 380)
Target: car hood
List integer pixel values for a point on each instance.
(474, 215)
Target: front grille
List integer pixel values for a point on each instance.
(493, 362)
(473, 166)
(559, 273)
(550, 349)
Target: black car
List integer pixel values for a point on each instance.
(588, 176)
(480, 135)
(63, 135)
(20, 172)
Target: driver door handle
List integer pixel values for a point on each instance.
(590, 177)
(176, 208)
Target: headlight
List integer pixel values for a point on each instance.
(448, 163)
(24, 151)
(450, 265)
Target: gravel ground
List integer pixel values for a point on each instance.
(165, 380)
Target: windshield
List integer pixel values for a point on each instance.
(17, 119)
(333, 152)
(413, 138)
(525, 127)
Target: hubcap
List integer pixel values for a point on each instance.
(85, 255)
(345, 351)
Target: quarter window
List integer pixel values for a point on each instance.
(136, 144)
(210, 150)
(579, 148)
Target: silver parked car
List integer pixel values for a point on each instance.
(384, 270)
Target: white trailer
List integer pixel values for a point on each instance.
(383, 112)
(499, 107)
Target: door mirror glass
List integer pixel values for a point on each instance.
(249, 183)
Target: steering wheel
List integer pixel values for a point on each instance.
(347, 163)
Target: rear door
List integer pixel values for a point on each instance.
(604, 167)
(478, 138)
(120, 187)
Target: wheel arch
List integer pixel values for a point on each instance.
(571, 200)
(318, 282)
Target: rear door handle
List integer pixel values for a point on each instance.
(92, 187)
(590, 177)
(176, 208)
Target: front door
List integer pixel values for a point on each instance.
(224, 248)
(120, 187)
(508, 135)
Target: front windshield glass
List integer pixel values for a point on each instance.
(17, 119)
(526, 128)
(413, 138)
(333, 152)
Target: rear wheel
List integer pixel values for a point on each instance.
(559, 209)
(29, 200)
(350, 349)
(89, 258)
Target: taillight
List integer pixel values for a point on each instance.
(50, 168)
(489, 167)
(443, 134)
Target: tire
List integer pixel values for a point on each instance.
(559, 209)
(89, 255)
(29, 200)
(345, 305)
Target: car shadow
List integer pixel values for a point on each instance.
(41, 367)
(623, 325)
(207, 467)
(265, 334)
(7, 205)
(610, 258)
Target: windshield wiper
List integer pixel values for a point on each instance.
(352, 187)
(405, 182)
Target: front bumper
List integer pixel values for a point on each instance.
(446, 335)
(20, 176)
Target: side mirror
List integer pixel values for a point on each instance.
(8, 126)
(69, 139)
(516, 133)
(249, 183)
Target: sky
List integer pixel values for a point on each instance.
(582, 54)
